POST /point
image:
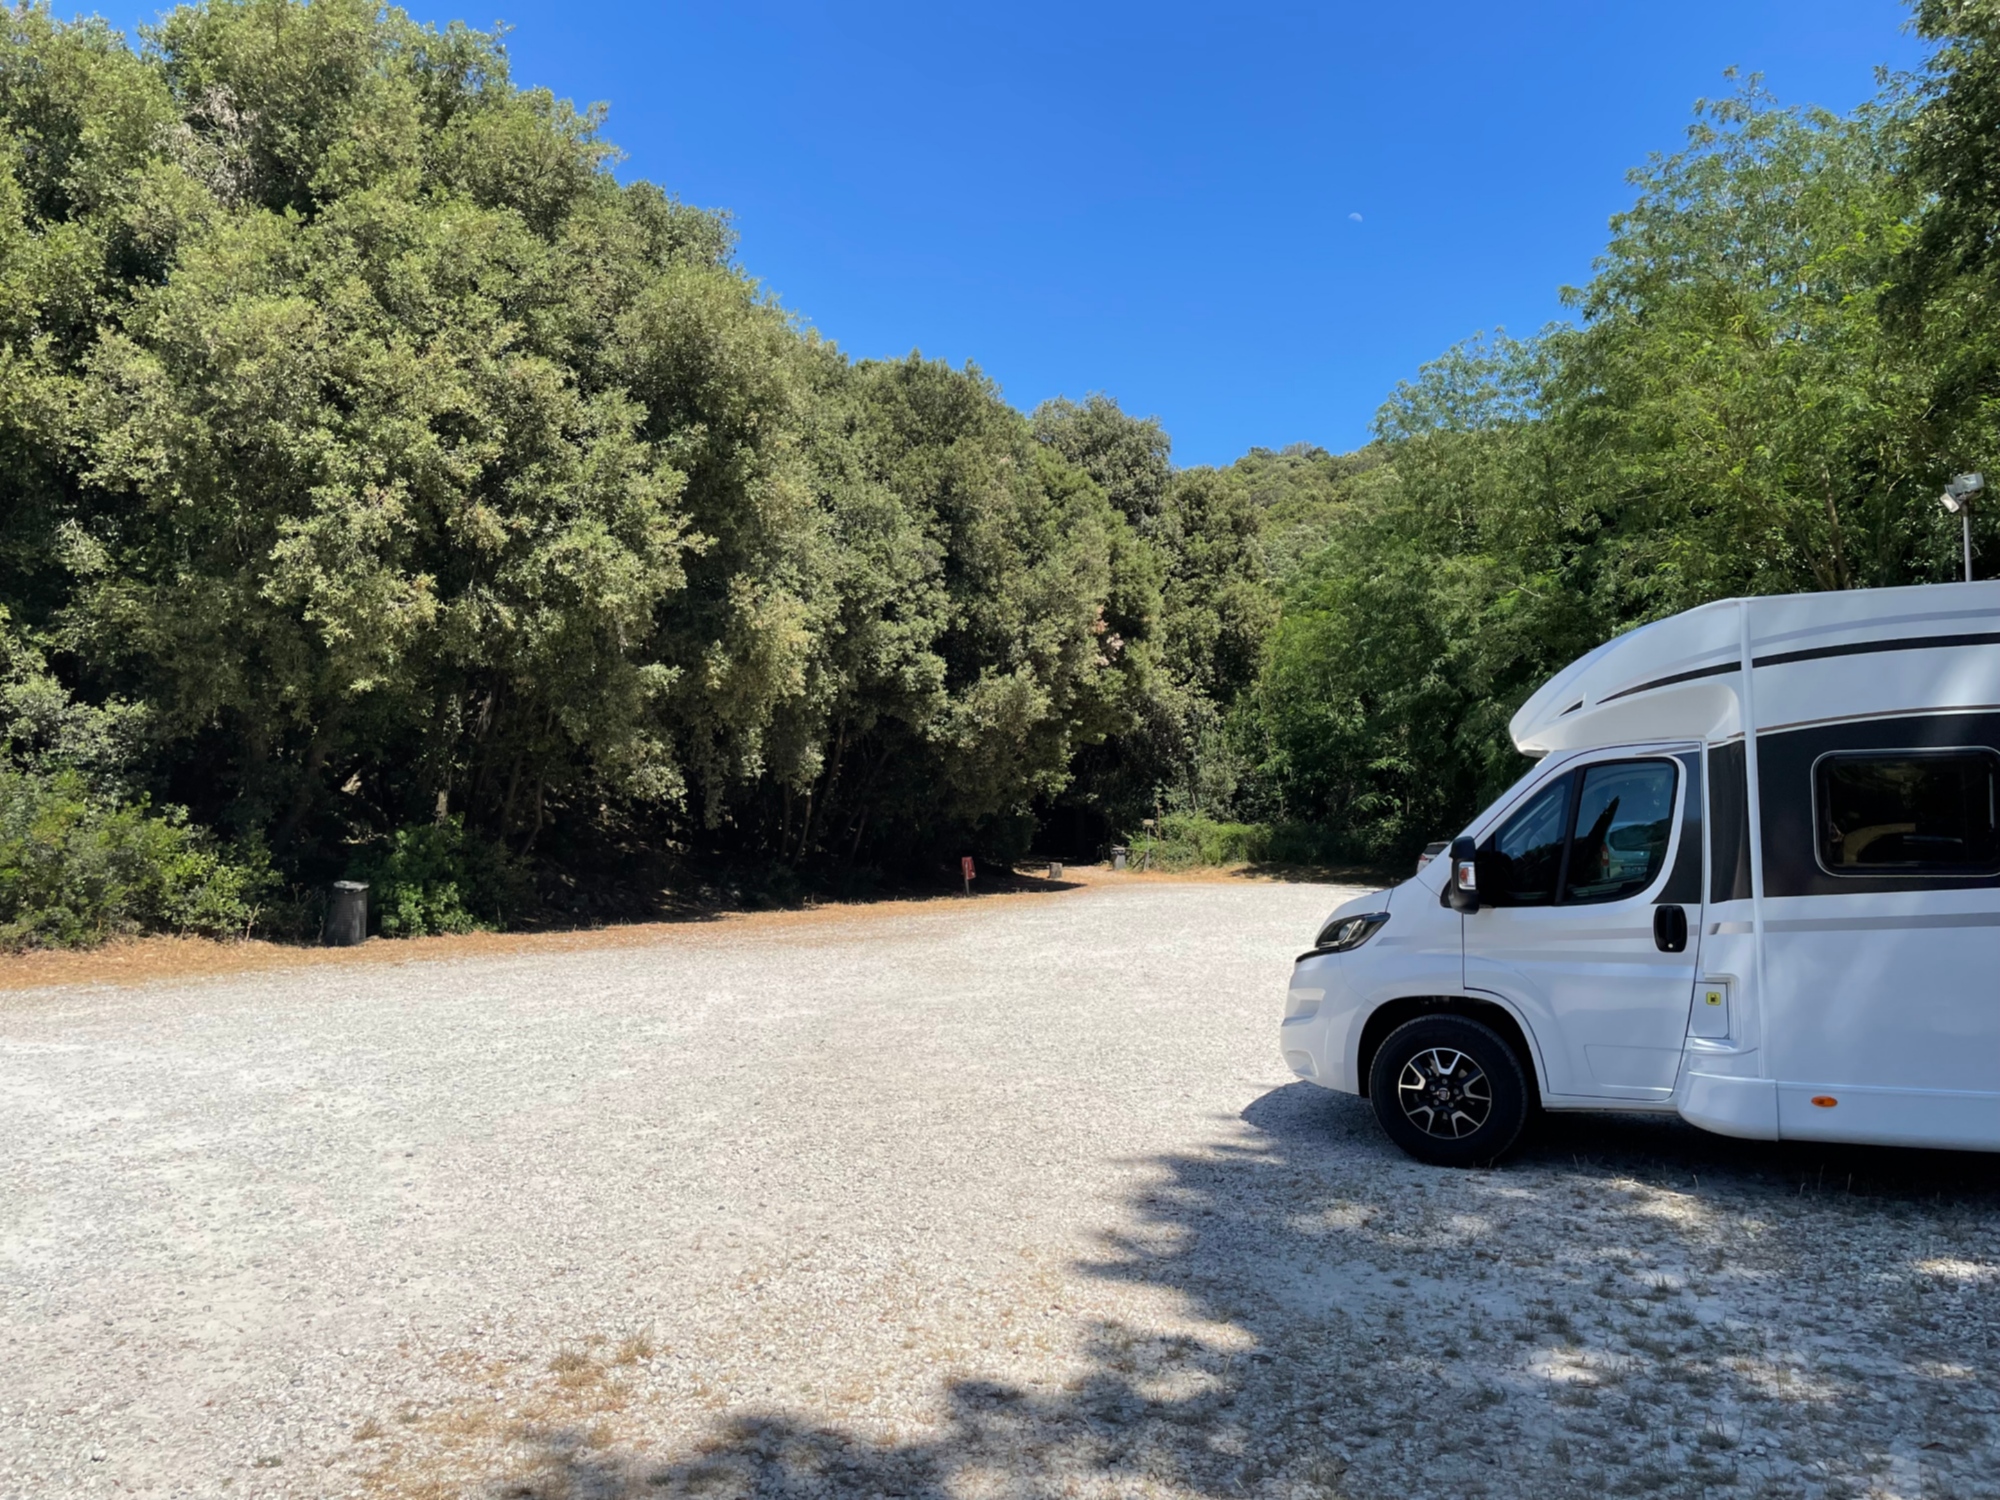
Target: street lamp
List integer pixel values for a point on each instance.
(1957, 500)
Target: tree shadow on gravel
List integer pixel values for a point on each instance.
(1630, 1306)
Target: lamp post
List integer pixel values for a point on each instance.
(1957, 500)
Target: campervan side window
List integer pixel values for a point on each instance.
(1530, 847)
(1599, 834)
(1908, 812)
(1624, 821)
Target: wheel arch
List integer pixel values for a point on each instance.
(1386, 1017)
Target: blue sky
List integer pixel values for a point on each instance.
(1158, 200)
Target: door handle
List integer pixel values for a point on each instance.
(1670, 929)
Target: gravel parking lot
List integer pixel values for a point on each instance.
(1009, 1197)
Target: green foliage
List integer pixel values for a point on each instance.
(1187, 841)
(80, 858)
(1216, 608)
(1301, 493)
(44, 729)
(370, 452)
(1737, 412)
(377, 450)
(1749, 416)
(1945, 281)
(1950, 154)
(1210, 606)
(75, 869)
(1128, 457)
(436, 877)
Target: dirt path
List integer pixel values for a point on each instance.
(156, 959)
(991, 1198)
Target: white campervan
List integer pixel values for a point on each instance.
(1753, 879)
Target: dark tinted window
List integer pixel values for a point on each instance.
(1526, 857)
(1918, 812)
(1624, 820)
(1729, 849)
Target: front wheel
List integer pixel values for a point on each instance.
(1449, 1091)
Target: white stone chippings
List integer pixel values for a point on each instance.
(993, 1198)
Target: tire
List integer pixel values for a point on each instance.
(1449, 1091)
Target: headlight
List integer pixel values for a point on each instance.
(1345, 934)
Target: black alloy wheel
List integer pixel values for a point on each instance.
(1444, 1093)
(1449, 1091)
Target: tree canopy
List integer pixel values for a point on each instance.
(374, 461)
(400, 462)
(1739, 407)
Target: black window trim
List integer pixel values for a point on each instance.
(1891, 752)
(1568, 834)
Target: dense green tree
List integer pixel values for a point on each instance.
(396, 463)
(1946, 287)
(1733, 413)
(1301, 493)
(1129, 457)
(1382, 712)
(365, 497)
(391, 486)
(1755, 423)
(1203, 535)
(1044, 600)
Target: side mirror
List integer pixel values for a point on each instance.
(1463, 886)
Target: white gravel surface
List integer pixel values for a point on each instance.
(1009, 1197)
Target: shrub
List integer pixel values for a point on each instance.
(1186, 841)
(77, 867)
(437, 877)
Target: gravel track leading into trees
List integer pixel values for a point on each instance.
(1002, 1197)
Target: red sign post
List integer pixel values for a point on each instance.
(965, 869)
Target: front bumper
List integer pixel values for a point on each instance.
(1317, 1036)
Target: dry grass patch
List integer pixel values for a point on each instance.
(528, 1423)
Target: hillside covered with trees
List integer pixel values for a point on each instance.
(387, 490)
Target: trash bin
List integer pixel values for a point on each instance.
(1118, 853)
(347, 915)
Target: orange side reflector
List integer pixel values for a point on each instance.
(1825, 1101)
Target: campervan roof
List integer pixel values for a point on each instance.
(1854, 653)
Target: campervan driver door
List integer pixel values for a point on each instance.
(1573, 926)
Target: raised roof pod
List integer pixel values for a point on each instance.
(1862, 651)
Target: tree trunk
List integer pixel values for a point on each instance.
(805, 830)
(534, 833)
(507, 806)
(1840, 575)
(309, 774)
